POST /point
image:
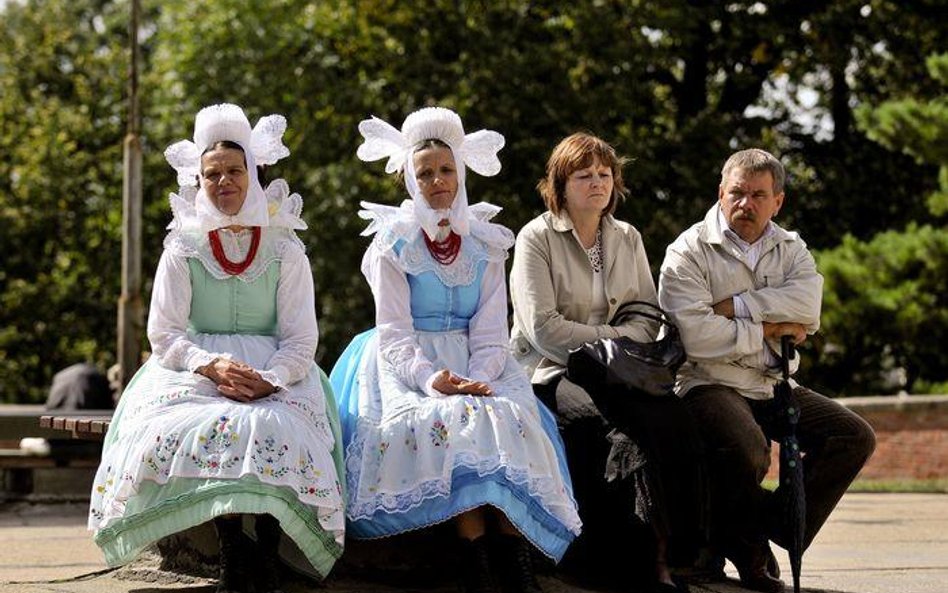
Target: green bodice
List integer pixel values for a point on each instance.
(232, 306)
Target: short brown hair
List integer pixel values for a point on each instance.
(755, 160)
(573, 153)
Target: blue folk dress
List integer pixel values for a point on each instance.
(414, 459)
(178, 453)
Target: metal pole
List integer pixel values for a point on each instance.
(130, 324)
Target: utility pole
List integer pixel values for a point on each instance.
(130, 324)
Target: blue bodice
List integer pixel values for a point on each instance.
(437, 307)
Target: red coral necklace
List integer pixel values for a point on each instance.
(234, 268)
(446, 251)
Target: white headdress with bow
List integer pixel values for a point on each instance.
(262, 145)
(477, 150)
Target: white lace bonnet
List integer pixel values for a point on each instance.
(263, 145)
(477, 150)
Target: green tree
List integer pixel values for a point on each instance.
(885, 313)
(886, 299)
(917, 128)
(61, 71)
(674, 85)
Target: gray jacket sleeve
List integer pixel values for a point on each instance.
(685, 294)
(531, 290)
(798, 298)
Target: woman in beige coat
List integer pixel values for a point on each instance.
(637, 477)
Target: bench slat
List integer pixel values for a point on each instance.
(81, 427)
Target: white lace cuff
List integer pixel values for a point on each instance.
(481, 376)
(277, 376)
(428, 387)
(423, 374)
(201, 358)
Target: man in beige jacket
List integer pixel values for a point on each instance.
(735, 283)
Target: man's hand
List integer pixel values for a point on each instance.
(236, 380)
(450, 384)
(774, 331)
(724, 308)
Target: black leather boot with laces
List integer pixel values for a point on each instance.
(232, 577)
(513, 556)
(474, 558)
(268, 540)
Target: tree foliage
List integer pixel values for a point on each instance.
(61, 72)
(885, 313)
(916, 127)
(674, 85)
(886, 299)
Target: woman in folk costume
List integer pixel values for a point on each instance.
(230, 418)
(440, 423)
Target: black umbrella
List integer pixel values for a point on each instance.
(790, 494)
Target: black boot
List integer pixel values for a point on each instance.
(475, 566)
(754, 565)
(514, 559)
(232, 577)
(268, 540)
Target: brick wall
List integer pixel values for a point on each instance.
(911, 436)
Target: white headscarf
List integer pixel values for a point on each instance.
(262, 146)
(477, 150)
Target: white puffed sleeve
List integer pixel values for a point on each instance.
(297, 330)
(487, 332)
(168, 317)
(398, 345)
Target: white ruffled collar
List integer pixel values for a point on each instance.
(392, 225)
(273, 246)
(282, 209)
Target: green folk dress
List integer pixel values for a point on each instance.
(178, 453)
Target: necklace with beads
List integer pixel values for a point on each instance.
(445, 251)
(234, 268)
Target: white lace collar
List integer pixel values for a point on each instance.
(282, 209)
(274, 243)
(393, 225)
(188, 237)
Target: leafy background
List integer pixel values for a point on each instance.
(850, 94)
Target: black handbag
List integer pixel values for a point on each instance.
(647, 367)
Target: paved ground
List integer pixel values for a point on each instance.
(873, 543)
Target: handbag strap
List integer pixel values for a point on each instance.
(628, 308)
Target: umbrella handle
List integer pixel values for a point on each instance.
(787, 353)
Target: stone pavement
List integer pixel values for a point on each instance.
(873, 543)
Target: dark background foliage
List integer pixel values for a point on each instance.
(839, 89)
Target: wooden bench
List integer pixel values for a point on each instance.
(73, 449)
(89, 427)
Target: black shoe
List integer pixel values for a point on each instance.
(514, 560)
(232, 577)
(678, 587)
(475, 566)
(268, 540)
(751, 561)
